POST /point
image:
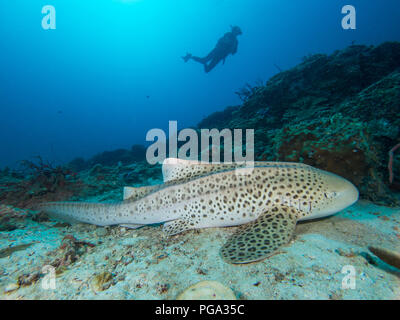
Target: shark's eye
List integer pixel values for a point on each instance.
(330, 195)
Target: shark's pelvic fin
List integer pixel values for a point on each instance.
(259, 239)
(171, 228)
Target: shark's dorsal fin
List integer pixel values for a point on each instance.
(174, 169)
(131, 193)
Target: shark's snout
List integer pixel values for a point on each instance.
(348, 194)
(337, 194)
(340, 193)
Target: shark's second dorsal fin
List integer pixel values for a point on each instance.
(131, 193)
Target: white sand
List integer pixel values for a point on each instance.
(145, 266)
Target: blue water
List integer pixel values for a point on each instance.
(112, 69)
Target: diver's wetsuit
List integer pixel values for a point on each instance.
(228, 44)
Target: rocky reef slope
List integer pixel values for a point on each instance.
(338, 112)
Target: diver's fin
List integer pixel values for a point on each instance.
(259, 239)
(176, 226)
(131, 225)
(187, 57)
(131, 193)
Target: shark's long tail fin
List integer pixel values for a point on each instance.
(94, 213)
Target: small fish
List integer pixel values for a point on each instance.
(390, 257)
(6, 252)
(265, 198)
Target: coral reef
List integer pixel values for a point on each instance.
(391, 159)
(37, 181)
(11, 217)
(69, 252)
(337, 112)
(137, 153)
(41, 184)
(248, 90)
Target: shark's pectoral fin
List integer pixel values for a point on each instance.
(176, 226)
(259, 239)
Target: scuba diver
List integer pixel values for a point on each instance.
(226, 45)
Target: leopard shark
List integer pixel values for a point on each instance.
(264, 199)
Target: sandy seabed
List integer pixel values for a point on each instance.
(119, 263)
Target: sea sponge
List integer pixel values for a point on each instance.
(207, 290)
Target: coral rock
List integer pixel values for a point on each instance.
(102, 281)
(207, 290)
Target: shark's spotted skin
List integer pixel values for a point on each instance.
(197, 195)
(177, 226)
(133, 194)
